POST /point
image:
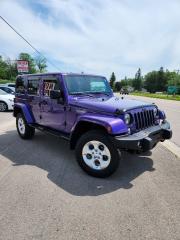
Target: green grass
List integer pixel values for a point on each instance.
(2, 81)
(155, 95)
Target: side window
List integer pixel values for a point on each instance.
(50, 84)
(20, 85)
(33, 86)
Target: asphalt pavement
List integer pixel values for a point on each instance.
(45, 195)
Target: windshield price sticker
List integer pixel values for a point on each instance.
(48, 86)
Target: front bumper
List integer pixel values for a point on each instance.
(145, 139)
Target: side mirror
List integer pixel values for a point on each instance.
(55, 94)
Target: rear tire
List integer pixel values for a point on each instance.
(3, 107)
(96, 154)
(24, 130)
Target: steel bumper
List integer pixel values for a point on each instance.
(145, 139)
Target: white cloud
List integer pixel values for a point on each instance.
(97, 36)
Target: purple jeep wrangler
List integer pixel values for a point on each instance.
(83, 110)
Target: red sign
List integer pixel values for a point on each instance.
(22, 66)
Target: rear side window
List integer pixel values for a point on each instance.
(50, 83)
(33, 86)
(20, 85)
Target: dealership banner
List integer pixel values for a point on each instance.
(22, 66)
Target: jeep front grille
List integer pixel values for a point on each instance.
(144, 119)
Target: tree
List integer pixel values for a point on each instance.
(173, 78)
(137, 83)
(150, 81)
(161, 83)
(3, 69)
(117, 86)
(41, 63)
(31, 62)
(112, 80)
(12, 69)
(158, 80)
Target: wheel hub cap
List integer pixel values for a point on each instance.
(2, 107)
(21, 125)
(96, 155)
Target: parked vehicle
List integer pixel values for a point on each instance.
(7, 89)
(83, 110)
(124, 91)
(9, 85)
(6, 101)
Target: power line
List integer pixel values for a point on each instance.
(20, 35)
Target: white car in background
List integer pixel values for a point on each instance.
(9, 85)
(6, 101)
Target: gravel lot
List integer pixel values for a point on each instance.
(45, 195)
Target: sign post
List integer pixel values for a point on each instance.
(22, 66)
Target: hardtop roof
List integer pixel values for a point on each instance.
(60, 73)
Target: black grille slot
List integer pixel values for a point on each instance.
(144, 119)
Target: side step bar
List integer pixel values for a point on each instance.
(51, 131)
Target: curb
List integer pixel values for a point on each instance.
(172, 147)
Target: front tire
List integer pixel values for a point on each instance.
(96, 154)
(24, 130)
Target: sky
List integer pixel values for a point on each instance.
(95, 36)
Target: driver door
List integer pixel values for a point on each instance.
(52, 112)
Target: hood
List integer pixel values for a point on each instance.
(106, 104)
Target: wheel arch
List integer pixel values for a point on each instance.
(109, 124)
(81, 128)
(22, 108)
(16, 111)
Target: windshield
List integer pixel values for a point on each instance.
(87, 84)
(3, 92)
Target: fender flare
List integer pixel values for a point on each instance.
(25, 110)
(113, 125)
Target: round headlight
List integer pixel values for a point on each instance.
(127, 118)
(155, 110)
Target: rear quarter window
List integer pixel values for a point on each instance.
(20, 85)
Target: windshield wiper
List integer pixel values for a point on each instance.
(105, 93)
(81, 94)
